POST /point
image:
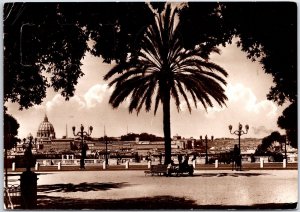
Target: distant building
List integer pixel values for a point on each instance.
(45, 130)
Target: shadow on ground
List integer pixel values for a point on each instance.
(224, 174)
(150, 203)
(83, 187)
(242, 174)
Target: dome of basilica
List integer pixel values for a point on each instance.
(46, 129)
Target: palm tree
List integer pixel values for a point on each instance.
(163, 68)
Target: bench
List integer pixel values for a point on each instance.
(157, 169)
(181, 169)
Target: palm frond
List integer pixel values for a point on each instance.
(163, 63)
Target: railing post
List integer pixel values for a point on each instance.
(37, 166)
(59, 166)
(104, 165)
(284, 163)
(149, 164)
(13, 166)
(261, 162)
(28, 187)
(127, 165)
(216, 163)
(194, 164)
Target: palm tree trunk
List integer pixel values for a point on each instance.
(167, 126)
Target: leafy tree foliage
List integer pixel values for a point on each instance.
(287, 121)
(267, 32)
(203, 23)
(11, 127)
(51, 37)
(142, 137)
(165, 69)
(35, 41)
(107, 138)
(45, 42)
(263, 148)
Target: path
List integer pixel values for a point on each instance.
(206, 188)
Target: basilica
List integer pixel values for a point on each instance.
(46, 140)
(45, 130)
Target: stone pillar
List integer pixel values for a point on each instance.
(261, 160)
(149, 164)
(28, 186)
(37, 166)
(127, 165)
(104, 165)
(216, 163)
(284, 163)
(67, 157)
(62, 156)
(194, 164)
(59, 166)
(13, 166)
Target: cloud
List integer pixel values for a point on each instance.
(96, 94)
(212, 111)
(248, 101)
(59, 101)
(261, 129)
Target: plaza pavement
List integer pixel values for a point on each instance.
(131, 189)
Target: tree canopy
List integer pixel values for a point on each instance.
(52, 38)
(11, 127)
(163, 69)
(267, 32)
(266, 143)
(44, 43)
(287, 121)
(142, 137)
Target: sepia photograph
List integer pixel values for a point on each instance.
(150, 105)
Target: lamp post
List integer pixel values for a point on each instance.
(82, 134)
(106, 150)
(206, 148)
(239, 133)
(285, 140)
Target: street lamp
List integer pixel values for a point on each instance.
(239, 133)
(82, 134)
(285, 140)
(206, 148)
(106, 150)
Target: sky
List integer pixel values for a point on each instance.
(247, 87)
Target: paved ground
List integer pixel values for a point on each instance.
(131, 189)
